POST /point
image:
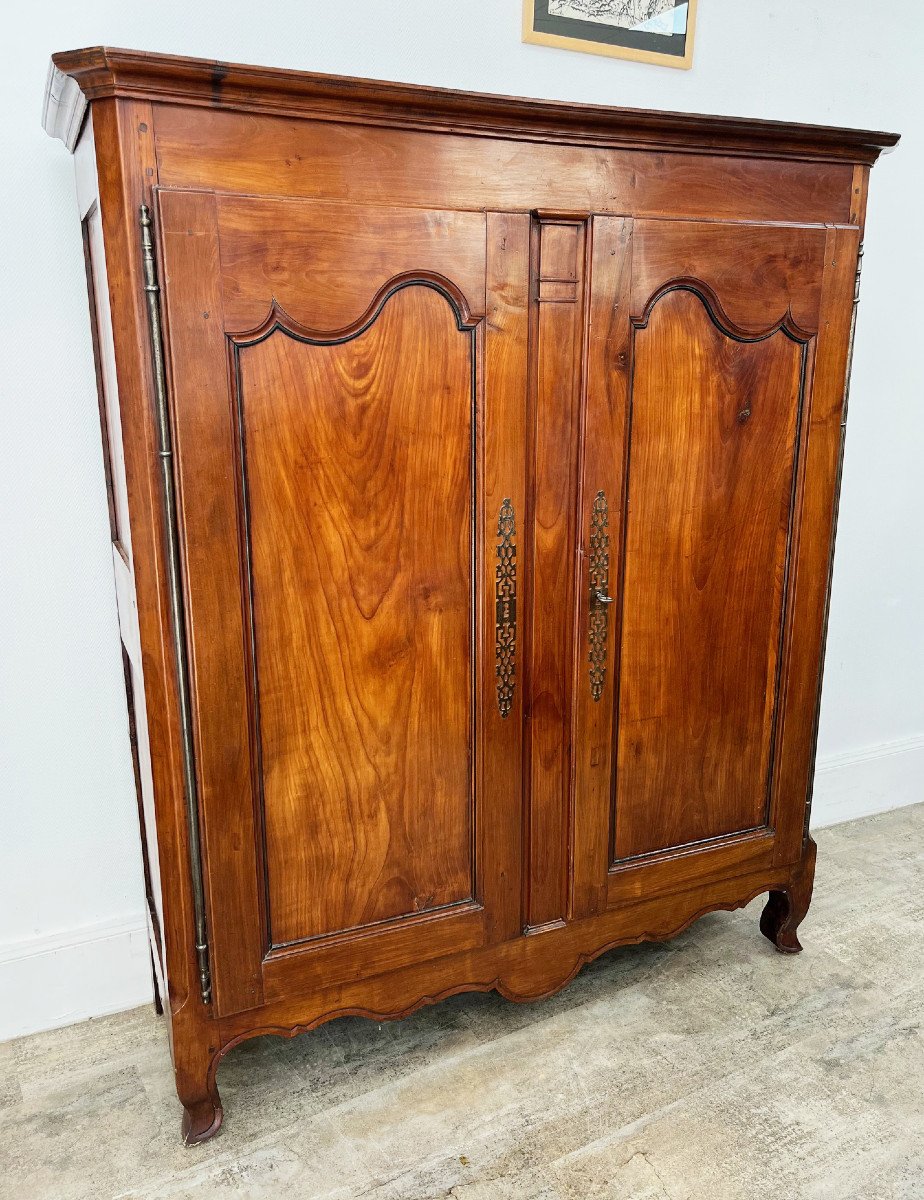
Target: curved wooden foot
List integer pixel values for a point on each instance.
(195, 1065)
(201, 1119)
(786, 909)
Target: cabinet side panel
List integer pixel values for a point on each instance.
(117, 495)
(106, 390)
(801, 685)
(124, 136)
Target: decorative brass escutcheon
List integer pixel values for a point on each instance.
(505, 603)
(600, 599)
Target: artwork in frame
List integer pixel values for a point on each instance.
(652, 31)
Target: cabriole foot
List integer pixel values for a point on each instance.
(201, 1120)
(785, 909)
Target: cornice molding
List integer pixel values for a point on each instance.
(64, 108)
(79, 76)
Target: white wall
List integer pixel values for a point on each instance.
(70, 882)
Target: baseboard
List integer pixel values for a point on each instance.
(869, 781)
(46, 982)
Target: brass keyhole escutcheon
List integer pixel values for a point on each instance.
(600, 599)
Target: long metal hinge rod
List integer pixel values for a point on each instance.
(177, 613)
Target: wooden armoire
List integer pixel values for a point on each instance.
(473, 467)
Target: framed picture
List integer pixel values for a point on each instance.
(652, 31)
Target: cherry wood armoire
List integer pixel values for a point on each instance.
(473, 467)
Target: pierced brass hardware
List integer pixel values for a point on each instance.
(505, 600)
(600, 599)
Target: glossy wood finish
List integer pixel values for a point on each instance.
(408, 166)
(603, 446)
(359, 501)
(103, 71)
(345, 532)
(558, 323)
(710, 480)
(786, 908)
(115, 165)
(265, 244)
(447, 374)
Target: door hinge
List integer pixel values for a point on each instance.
(177, 610)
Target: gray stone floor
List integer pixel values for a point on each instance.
(711, 1068)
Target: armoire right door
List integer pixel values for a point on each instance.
(699, 625)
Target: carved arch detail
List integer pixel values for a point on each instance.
(802, 339)
(277, 319)
(718, 315)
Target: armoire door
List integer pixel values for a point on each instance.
(348, 396)
(699, 408)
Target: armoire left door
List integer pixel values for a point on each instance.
(347, 387)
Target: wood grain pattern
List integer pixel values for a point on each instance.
(359, 489)
(234, 153)
(558, 340)
(786, 908)
(205, 455)
(295, 253)
(758, 272)
(604, 441)
(505, 475)
(413, 834)
(324, 398)
(123, 133)
(712, 448)
(521, 969)
(801, 683)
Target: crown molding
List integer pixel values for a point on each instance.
(81, 76)
(64, 108)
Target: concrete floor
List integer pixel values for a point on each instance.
(711, 1068)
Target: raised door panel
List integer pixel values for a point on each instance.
(703, 339)
(712, 455)
(358, 477)
(351, 472)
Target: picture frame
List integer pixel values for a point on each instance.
(659, 32)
